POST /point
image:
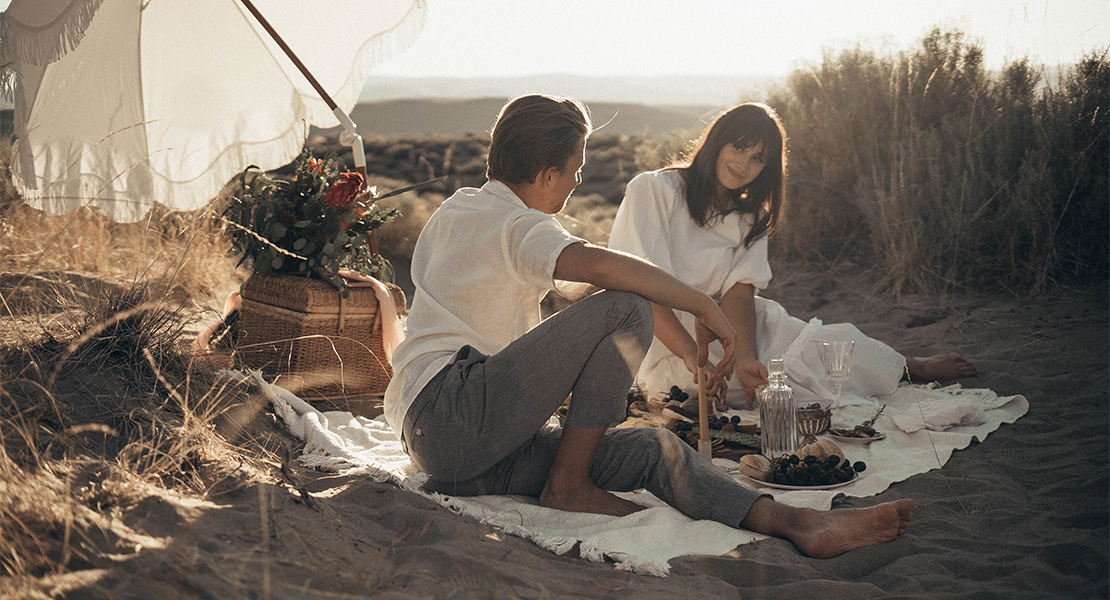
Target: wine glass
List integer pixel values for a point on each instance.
(838, 362)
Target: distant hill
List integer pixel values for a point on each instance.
(710, 90)
(452, 116)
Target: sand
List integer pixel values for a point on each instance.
(1022, 515)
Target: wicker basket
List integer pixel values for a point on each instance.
(324, 346)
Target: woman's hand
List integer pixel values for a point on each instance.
(751, 374)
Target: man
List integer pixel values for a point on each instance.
(479, 375)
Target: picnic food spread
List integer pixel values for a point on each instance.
(819, 464)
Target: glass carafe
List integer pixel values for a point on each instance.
(778, 417)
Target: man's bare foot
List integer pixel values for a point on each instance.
(588, 499)
(939, 367)
(825, 534)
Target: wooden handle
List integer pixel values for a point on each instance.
(705, 445)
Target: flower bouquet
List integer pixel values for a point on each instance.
(300, 319)
(314, 223)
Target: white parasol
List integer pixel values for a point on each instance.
(123, 103)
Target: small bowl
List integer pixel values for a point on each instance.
(812, 422)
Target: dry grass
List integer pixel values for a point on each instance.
(185, 253)
(103, 410)
(101, 402)
(944, 175)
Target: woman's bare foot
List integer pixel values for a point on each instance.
(939, 367)
(588, 499)
(825, 534)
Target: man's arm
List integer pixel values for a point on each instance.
(613, 270)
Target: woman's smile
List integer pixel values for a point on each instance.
(738, 167)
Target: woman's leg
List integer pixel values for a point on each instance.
(948, 366)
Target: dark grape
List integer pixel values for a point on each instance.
(735, 419)
(860, 466)
(811, 471)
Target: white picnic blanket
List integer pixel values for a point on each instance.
(645, 541)
(921, 424)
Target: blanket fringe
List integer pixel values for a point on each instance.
(557, 544)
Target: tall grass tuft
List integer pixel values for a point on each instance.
(942, 174)
(101, 412)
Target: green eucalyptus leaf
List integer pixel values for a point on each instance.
(278, 230)
(300, 243)
(329, 249)
(277, 262)
(303, 224)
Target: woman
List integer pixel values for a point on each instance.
(706, 221)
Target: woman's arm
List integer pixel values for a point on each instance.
(614, 270)
(738, 304)
(675, 337)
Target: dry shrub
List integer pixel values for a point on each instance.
(941, 174)
(398, 238)
(589, 217)
(100, 403)
(107, 415)
(186, 252)
(660, 150)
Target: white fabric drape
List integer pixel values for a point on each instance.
(167, 101)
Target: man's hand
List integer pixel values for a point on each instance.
(716, 329)
(715, 386)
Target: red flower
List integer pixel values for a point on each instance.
(314, 164)
(343, 191)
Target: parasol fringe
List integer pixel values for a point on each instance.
(63, 195)
(41, 45)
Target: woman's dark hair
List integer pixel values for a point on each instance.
(744, 126)
(534, 133)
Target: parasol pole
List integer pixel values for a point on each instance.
(705, 445)
(350, 136)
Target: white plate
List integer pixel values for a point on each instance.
(780, 486)
(857, 440)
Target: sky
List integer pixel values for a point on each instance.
(604, 38)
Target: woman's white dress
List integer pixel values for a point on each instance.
(653, 222)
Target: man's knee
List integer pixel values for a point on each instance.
(642, 442)
(633, 310)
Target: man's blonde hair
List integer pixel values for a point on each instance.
(534, 133)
